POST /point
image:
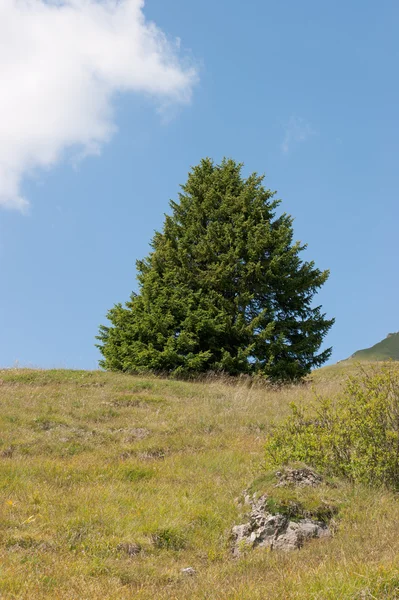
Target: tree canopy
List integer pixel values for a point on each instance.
(224, 288)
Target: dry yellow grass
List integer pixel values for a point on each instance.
(92, 461)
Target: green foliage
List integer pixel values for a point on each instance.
(223, 290)
(321, 510)
(169, 539)
(355, 435)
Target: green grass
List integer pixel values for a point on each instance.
(93, 464)
(385, 350)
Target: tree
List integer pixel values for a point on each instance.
(224, 288)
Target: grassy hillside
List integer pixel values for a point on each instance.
(384, 350)
(93, 464)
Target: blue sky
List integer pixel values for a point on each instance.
(306, 92)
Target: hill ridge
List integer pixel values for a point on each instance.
(386, 349)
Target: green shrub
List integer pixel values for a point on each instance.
(355, 435)
(169, 539)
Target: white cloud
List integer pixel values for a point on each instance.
(61, 62)
(296, 130)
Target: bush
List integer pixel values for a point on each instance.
(355, 435)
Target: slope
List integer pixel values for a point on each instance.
(384, 350)
(111, 484)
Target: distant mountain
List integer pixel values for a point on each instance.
(384, 350)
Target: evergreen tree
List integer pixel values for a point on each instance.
(224, 288)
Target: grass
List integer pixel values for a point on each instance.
(111, 484)
(385, 350)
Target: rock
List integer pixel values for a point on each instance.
(241, 531)
(132, 433)
(188, 571)
(8, 452)
(276, 532)
(279, 531)
(300, 477)
(296, 534)
(153, 454)
(241, 535)
(130, 548)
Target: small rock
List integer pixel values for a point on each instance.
(152, 454)
(8, 452)
(298, 477)
(188, 571)
(131, 549)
